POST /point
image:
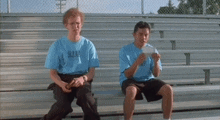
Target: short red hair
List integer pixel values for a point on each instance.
(73, 12)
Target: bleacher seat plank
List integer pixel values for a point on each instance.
(40, 76)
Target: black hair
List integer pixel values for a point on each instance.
(141, 24)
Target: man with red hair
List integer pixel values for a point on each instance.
(72, 60)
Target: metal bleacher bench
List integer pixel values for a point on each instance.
(13, 91)
(23, 99)
(33, 100)
(189, 46)
(7, 59)
(34, 104)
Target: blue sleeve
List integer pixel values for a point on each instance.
(52, 60)
(93, 57)
(123, 61)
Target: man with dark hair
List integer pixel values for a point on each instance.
(138, 72)
(72, 61)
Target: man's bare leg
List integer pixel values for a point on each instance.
(129, 102)
(167, 101)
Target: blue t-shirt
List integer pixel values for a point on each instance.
(128, 55)
(69, 57)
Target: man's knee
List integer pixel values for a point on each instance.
(64, 105)
(131, 92)
(85, 98)
(166, 90)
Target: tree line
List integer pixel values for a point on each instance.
(191, 7)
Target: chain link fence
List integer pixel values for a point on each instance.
(113, 6)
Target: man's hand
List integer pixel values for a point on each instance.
(156, 69)
(76, 82)
(69, 85)
(64, 88)
(156, 57)
(141, 58)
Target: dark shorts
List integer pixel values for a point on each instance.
(149, 88)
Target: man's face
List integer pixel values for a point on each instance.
(141, 36)
(74, 25)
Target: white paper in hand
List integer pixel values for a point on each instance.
(148, 51)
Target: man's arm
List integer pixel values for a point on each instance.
(55, 77)
(85, 78)
(156, 69)
(89, 76)
(130, 72)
